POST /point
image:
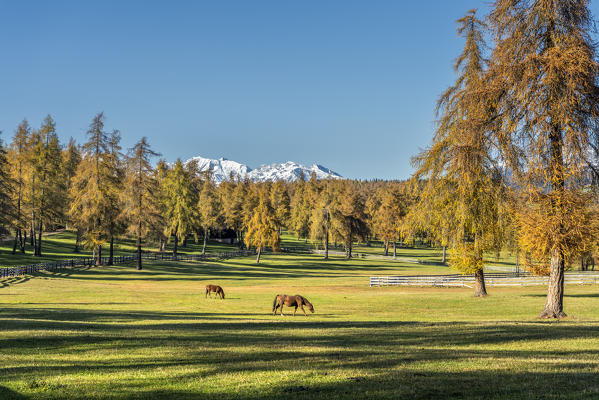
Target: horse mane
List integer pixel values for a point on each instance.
(304, 300)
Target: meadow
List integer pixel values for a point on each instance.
(117, 333)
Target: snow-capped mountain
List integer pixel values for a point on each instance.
(221, 168)
(289, 171)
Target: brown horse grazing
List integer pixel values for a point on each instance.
(217, 289)
(291, 301)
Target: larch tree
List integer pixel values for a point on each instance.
(301, 209)
(263, 227)
(348, 219)
(280, 201)
(545, 82)
(90, 195)
(372, 205)
(140, 202)
(251, 196)
(157, 232)
(210, 208)
(461, 157)
(7, 209)
(233, 193)
(388, 217)
(116, 171)
(48, 194)
(17, 155)
(320, 219)
(181, 204)
(71, 157)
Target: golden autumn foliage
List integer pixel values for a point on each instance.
(572, 232)
(263, 226)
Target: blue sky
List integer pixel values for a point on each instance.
(348, 84)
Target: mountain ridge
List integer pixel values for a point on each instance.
(289, 171)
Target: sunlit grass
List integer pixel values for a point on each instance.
(113, 332)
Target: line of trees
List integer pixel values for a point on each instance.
(100, 193)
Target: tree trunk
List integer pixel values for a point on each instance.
(348, 250)
(554, 306)
(205, 237)
(77, 239)
(258, 257)
(99, 256)
(24, 241)
(14, 246)
(386, 248)
(395, 249)
(138, 263)
(444, 259)
(38, 251)
(184, 244)
(479, 284)
(111, 251)
(175, 248)
(326, 244)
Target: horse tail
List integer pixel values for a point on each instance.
(274, 303)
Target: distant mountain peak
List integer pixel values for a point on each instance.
(289, 171)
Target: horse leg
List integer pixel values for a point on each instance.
(302, 307)
(295, 310)
(206, 293)
(282, 304)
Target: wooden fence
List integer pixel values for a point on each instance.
(491, 279)
(89, 261)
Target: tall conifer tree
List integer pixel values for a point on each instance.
(263, 227)
(140, 202)
(460, 157)
(210, 209)
(90, 190)
(545, 86)
(18, 157)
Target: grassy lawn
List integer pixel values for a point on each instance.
(113, 332)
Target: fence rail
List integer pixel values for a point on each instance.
(89, 261)
(492, 280)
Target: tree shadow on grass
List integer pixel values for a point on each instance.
(8, 394)
(365, 359)
(16, 280)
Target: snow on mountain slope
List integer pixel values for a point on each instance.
(289, 171)
(221, 168)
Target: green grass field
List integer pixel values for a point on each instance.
(116, 333)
